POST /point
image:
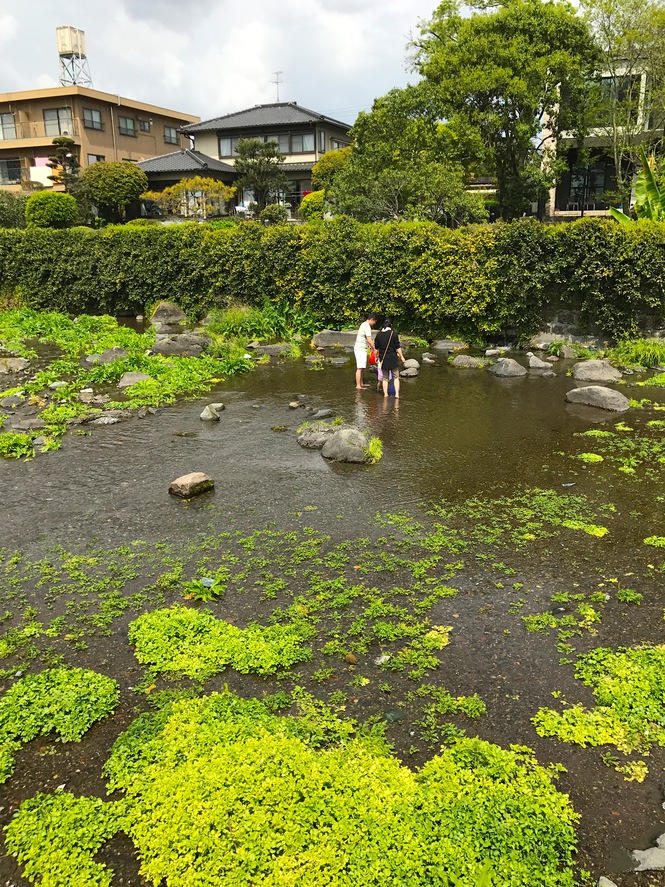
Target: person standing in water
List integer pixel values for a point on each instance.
(389, 353)
(363, 342)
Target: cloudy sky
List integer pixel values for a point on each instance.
(212, 57)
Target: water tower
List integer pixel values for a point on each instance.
(74, 70)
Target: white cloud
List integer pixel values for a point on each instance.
(8, 27)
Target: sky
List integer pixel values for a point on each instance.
(213, 57)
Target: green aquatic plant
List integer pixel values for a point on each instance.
(182, 641)
(590, 457)
(639, 352)
(59, 700)
(655, 541)
(374, 450)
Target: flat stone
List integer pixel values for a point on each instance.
(181, 345)
(551, 358)
(411, 364)
(337, 338)
(10, 365)
(535, 363)
(346, 445)
(605, 882)
(495, 352)
(130, 379)
(548, 374)
(108, 356)
(105, 420)
(466, 361)
(338, 361)
(408, 373)
(314, 437)
(649, 860)
(273, 350)
(324, 414)
(506, 367)
(12, 400)
(427, 355)
(595, 371)
(211, 412)
(29, 425)
(169, 313)
(428, 360)
(599, 396)
(55, 385)
(449, 345)
(190, 485)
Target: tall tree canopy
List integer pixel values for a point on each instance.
(516, 73)
(114, 184)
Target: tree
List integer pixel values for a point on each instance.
(259, 165)
(325, 169)
(312, 205)
(114, 184)
(630, 95)
(51, 209)
(517, 74)
(404, 164)
(197, 196)
(64, 164)
(274, 214)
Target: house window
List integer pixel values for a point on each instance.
(300, 144)
(10, 172)
(58, 122)
(127, 126)
(171, 135)
(7, 126)
(144, 125)
(92, 119)
(322, 142)
(95, 158)
(282, 139)
(335, 144)
(228, 146)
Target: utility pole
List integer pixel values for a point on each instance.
(277, 81)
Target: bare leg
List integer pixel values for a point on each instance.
(385, 387)
(397, 387)
(359, 378)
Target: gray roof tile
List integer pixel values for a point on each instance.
(277, 114)
(184, 160)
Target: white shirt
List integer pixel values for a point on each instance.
(361, 339)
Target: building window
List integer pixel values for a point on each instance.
(228, 146)
(322, 142)
(300, 144)
(7, 126)
(92, 119)
(95, 158)
(144, 125)
(58, 122)
(10, 172)
(335, 144)
(170, 135)
(127, 126)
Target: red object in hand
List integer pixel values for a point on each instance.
(372, 358)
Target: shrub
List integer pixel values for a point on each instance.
(12, 210)
(274, 214)
(51, 209)
(312, 204)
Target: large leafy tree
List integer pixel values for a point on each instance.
(259, 165)
(114, 184)
(196, 196)
(516, 73)
(628, 106)
(406, 164)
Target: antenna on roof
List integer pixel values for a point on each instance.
(74, 69)
(277, 81)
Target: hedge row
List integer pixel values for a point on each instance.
(478, 281)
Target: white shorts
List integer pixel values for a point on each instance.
(361, 358)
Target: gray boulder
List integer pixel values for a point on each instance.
(449, 345)
(552, 358)
(12, 400)
(338, 361)
(346, 445)
(595, 371)
(169, 313)
(535, 363)
(35, 424)
(467, 361)
(599, 396)
(190, 485)
(108, 356)
(10, 365)
(605, 882)
(428, 360)
(105, 420)
(411, 364)
(130, 379)
(181, 345)
(408, 373)
(211, 412)
(427, 355)
(506, 367)
(313, 437)
(567, 352)
(324, 413)
(652, 859)
(273, 350)
(495, 352)
(336, 338)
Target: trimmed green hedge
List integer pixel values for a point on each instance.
(477, 281)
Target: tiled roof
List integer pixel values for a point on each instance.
(184, 160)
(298, 167)
(277, 114)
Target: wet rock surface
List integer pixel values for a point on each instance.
(11, 365)
(346, 445)
(467, 361)
(599, 396)
(193, 484)
(506, 367)
(595, 371)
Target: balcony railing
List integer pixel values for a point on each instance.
(37, 129)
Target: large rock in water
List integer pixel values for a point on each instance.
(181, 345)
(211, 412)
(130, 379)
(467, 361)
(535, 363)
(315, 436)
(190, 485)
(599, 396)
(506, 367)
(108, 356)
(169, 313)
(449, 345)
(346, 445)
(595, 371)
(13, 365)
(411, 364)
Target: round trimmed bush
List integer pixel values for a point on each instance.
(311, 206)
(51, 209)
